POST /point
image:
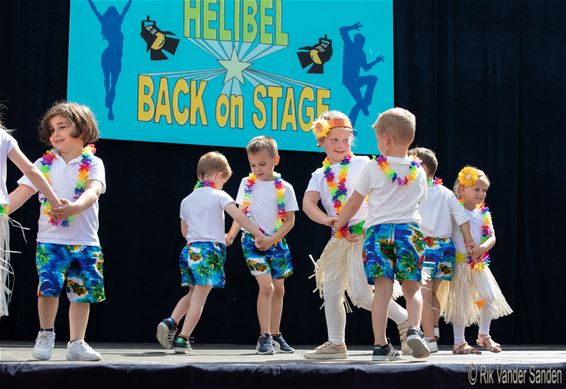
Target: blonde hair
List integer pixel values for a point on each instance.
(481, 176)
(262, 142)
(333, 114)
(80, 115)
(213, 162)
(397, 122)
(427, 157)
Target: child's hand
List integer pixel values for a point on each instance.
(329, 221)
(229, 239)
(68, 208)
(470, 246)
(352, 237)
(477, 252)
(264, 243)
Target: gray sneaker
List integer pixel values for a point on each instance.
(264, 345)
(416, 341)
(166, 331)
(44, 344)
(79, 350)
(328, 350)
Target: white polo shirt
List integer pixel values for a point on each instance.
(438, 210)
(263, 203)
(7, 144)
(203, 211)
(390, 203)
(83, 229)
(318, 184)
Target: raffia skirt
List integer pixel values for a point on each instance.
(469, 292)
(6, 272)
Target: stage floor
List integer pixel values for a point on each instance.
(237, 366)
(136, 353)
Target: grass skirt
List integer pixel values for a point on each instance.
(470, 291)
(6, 272)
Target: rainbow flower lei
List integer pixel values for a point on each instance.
(279, 193)
(204, 184)
(84, 171)
(383, 164)
(434, 181)
(338, 191)
(486, 232)
(4, 209)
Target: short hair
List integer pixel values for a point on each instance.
(427, 157)
(262, 142)
(80, 115)
(213, 162)
(398, 122)
(481, 177)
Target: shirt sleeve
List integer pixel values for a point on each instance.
(362, 184)
(8, 142)
(290, 198)
(224, 198)
(98, 172)
(456, 210)
(240, 195)
(26, 181)
(314, 182)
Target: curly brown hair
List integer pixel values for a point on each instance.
(86, 126)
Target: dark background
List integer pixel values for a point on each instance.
(486, 80)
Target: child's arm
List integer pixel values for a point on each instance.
(269, 241)
(311, 209)
(233, 232)
(349, 210)
(32, 172)
(479, 250)
(184, 229)
(19, 196)
(85, 200)
(243, 220)
(468, 240)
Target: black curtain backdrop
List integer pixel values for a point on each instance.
(486, 81)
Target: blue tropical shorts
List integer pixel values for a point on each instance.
(393, 251)
(440, 256)
(80, 266)
(202, 263)
(276, 260)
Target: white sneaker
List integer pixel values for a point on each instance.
(328, 350)
(79, 350)
(44, 344)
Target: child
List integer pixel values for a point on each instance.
(270, 203)
(340, 267)
(474, 295)
(202, 260)
(393, 246)
(9, 149)
(437, 213)
(68, 248)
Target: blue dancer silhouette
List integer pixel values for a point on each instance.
(111, 59)
(354, 59)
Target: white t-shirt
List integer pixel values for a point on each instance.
(7, 143)
(438, 210)
(263, 203)
(476, 227)
(203, 211)
(390, 203)
(83, 229)
(318, 184)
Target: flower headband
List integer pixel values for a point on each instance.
(321, 127)
(468, 176)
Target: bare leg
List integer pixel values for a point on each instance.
(264, 297)
(47, 310)
(182, 307)
(196, 305)
(414, 298)
(428, 309)
(78, 320)
(382, 295)
(277, 305)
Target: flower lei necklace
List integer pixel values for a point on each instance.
(204, 184)
(486, 232)
(389, 172)
(279, 193)
(84, 171)
(434, 181)
(338, 191)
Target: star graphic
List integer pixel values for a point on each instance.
(234, 67)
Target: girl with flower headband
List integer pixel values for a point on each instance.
(340, 266)
(439, 211)
(68, 248)
(270, 202)
(9, 149)
(473, 296)
(202, 259)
